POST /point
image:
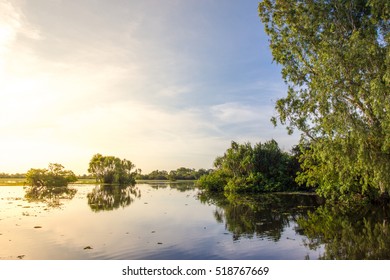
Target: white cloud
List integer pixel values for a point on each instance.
(235, 113)
(174, 90)
(75, 82)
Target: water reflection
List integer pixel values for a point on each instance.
(354, 235)
(110, 197)
(179, 186)
(261, 216)
(52, 196)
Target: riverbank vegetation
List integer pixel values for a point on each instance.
(335, 61)
(52, 177)
(179, 174)
(49, 184)
(263, 167)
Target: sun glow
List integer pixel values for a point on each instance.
(76, 81)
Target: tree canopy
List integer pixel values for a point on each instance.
(263, 167)
(181, 173)
(335, 60)
(112, 170)
(50, 184)
(54, 176)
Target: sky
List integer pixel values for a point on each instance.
(163, 83)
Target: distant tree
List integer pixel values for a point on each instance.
(184, 173)
(16, 175)
(181, 173)
(157, 175)
(54, 176)
(112, 170)
(49, 183)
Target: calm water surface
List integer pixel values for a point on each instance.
(176, 221)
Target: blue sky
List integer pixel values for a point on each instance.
(164, 84)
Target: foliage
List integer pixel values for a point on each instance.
(335, 59)
(54, 176)
(49, 184)
(112, 170)
(181, 173)
(215, 181)
(353, 234)
(154, 175)
(261, 168)
(16, 175)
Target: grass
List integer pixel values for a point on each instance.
(21, 181)
(12, 181)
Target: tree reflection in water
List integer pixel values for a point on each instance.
(110, 197)
(52, 196)
(179, 186)
(349, 234)
(261, 216)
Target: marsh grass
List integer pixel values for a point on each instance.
(22, 181)
(12, 181)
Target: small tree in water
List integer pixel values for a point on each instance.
(49, 183)
(112, 170)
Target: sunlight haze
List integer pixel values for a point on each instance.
(164, 84)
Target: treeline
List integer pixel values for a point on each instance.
(263, 167)
(16, 175)
(181, 173)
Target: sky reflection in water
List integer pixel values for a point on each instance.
(154, 221)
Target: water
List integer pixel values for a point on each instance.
(173, 221)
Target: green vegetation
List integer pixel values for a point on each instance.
(12, 176)
(246, 168)
(181, 173)
(54, 176)
(12, 181)
(335, 60)
(348, 233)
(112, 170)
(49, 184)
(7, 179)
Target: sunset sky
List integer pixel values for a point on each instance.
(164, 84)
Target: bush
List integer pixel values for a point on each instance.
(215, 181)
(53, 177)
(112, 170)
(261, 168)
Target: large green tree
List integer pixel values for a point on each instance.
(50, 184)
(112, 170)
(263, 167)
(335, 60)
